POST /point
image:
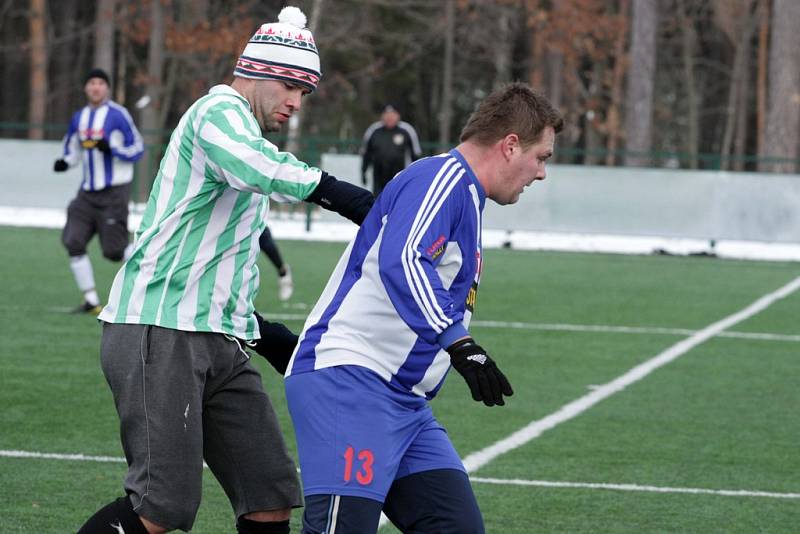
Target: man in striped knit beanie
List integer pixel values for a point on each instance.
(181, 308)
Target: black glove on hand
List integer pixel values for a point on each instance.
(346, 199)
(277, 343)
(102, 146)
(60, 165)
(486, 382)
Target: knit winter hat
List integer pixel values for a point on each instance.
(96, 73)
(282, 50)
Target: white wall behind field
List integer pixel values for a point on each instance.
(27, 178)
(578, 208)
(644, 202)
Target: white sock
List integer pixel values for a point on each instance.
(84, 277)
(128, 252)
(91, 297)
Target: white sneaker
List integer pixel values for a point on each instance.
(285, 285)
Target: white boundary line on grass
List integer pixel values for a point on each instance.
(60, 456)
(478, 480)
(478, 459)
(562, 327)
(647, 330)
(551, 327)
(632, 487)
(64, 456)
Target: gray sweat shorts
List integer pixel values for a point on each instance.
(103, 212)
(187, 396)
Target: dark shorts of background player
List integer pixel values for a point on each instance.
(103, 212)
(183, 397)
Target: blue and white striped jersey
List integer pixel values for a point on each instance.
(405, 287)
(111, 122)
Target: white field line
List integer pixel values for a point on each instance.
(63, 456)
(546, 327)
(477, 480)
(647, 330)
(633, 487)
(480, 458)
(534, 429)
(57, 456)
(562, 327)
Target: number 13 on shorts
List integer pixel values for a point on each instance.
(363, 470)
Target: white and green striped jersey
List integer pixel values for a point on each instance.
(193, 266)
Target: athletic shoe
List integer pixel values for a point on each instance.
(91, 309)
(285, 286)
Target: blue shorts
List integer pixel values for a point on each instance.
(356, 433)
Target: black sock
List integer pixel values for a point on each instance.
(119, 513)
(247, 526)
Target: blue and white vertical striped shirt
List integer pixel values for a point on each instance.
(111, 122)
(405, 287)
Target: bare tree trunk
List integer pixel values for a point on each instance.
(503, 46)
(783, 115)
(740, 139)
(761, 84)
(104, 36)
(641, 81)
(150, 115)
(37, 105)
(554, 60)
(572, 104)
(82, 59)
(617, 89)
(688, 46)
(296, 121)
(536, 48)
(120, 89)
(63, 61)
(594, 139)
(174, 71)
(446, 109)
(738, 80)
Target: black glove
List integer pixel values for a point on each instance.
(486, 382)
(277, 343)
(60, 165)
(102, 146)
(346, 199)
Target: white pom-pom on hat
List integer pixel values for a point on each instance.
(292, 15)
(283, 50)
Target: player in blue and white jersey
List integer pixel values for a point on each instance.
(104, 140)
(394, 317)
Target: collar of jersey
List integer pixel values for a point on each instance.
(468, 170)
(228, 90)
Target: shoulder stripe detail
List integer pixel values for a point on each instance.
(440, 188)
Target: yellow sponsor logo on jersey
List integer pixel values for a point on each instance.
(472, 296)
